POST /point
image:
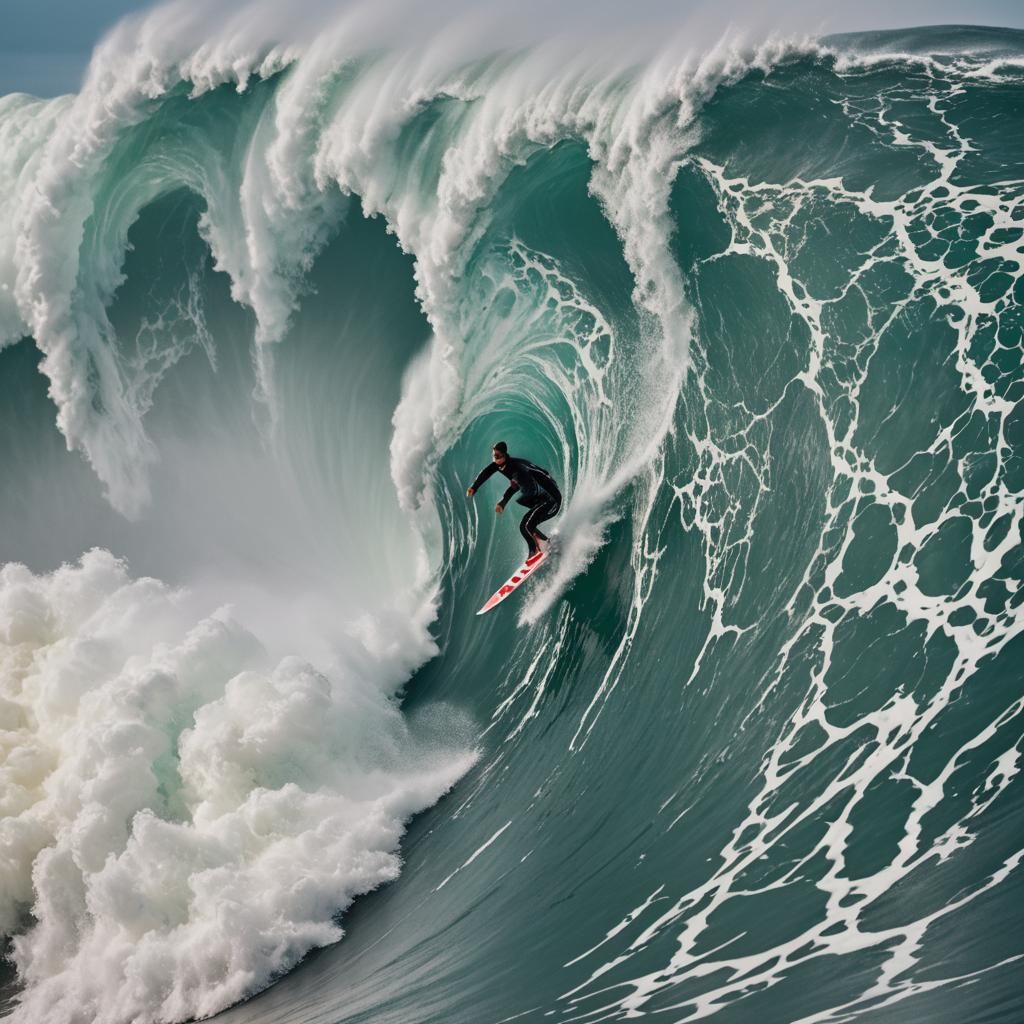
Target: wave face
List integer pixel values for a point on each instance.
(747, 748)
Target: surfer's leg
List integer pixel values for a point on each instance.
(537, 515)
(526, 529)
(547, 511)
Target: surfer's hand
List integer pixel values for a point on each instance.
(499, 508)
(469, 492)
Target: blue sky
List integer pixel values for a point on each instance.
(45, 44)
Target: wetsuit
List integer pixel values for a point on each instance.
(540, 494)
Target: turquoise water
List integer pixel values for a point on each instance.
(747, 748)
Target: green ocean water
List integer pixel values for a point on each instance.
(747, 749)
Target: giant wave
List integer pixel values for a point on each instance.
(748, 748)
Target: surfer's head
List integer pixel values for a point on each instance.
(499, 453)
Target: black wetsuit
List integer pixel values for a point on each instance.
(540, 494)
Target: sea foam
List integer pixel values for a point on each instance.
(183, 817)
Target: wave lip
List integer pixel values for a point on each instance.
(338, 116)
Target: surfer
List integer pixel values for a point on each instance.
(541, 495)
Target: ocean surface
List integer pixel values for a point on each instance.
(748, 747)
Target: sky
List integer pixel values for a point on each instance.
(45, 44)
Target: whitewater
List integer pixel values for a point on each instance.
(747, 748)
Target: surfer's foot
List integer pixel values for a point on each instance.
(533, 554)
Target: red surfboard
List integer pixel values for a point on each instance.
(521, 575)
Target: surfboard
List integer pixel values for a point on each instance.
(520, 576)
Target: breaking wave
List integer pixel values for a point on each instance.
(748, 746)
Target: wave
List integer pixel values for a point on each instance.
(757, 307)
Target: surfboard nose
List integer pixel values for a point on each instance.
(520, 576)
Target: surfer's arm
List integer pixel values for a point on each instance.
(512, 488)
(483, 476)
